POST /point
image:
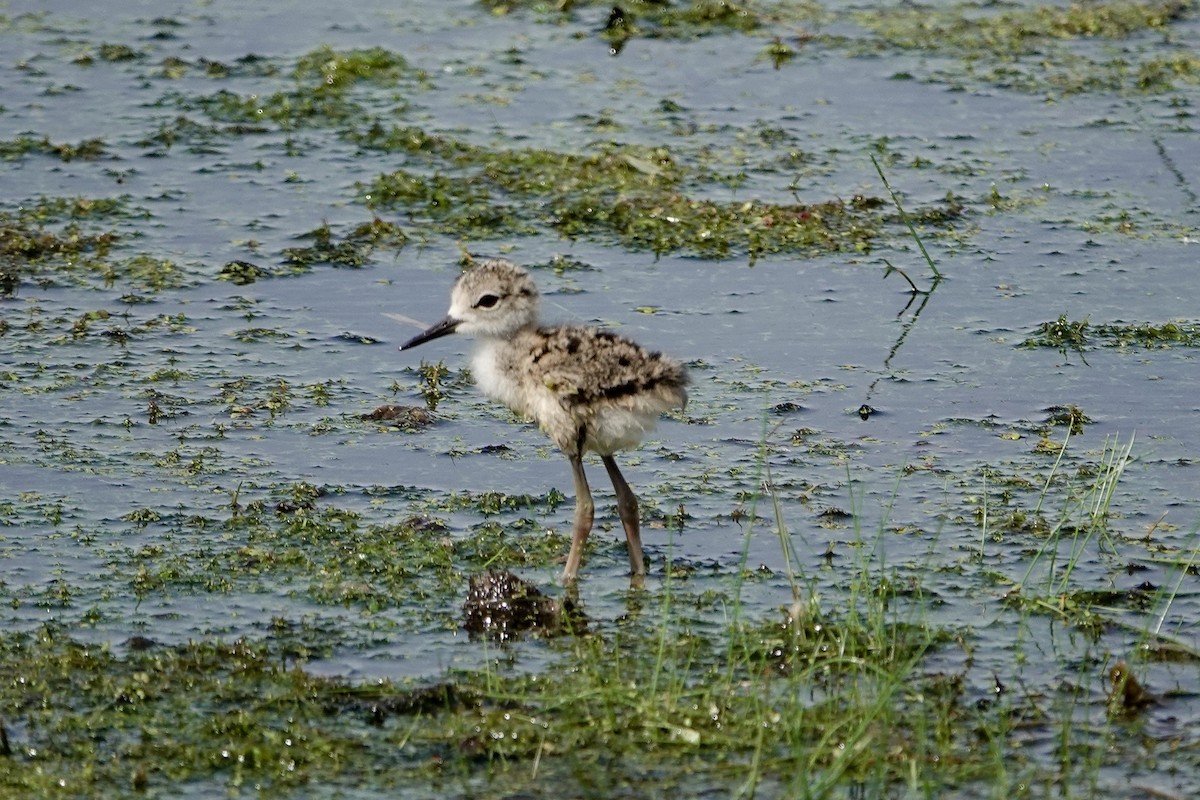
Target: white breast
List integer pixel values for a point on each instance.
(494, 381)
(498, 374)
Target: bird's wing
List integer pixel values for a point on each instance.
(586, 366)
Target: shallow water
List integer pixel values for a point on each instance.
(1102, 225)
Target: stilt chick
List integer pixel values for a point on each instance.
(587, 389)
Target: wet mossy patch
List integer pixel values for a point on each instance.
(337, 70)
(651, 20)
(309, 544)
(1042, 47)
(87, 150)
(975, 30)
(648, 198)
(353, 250)
(140, 714)
(634, 197)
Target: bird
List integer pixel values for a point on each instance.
(588, 389)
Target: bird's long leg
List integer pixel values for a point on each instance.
(584, 510)
(627, 507)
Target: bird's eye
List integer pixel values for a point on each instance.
(487, 301)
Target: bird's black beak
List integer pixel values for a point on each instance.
(439, 330)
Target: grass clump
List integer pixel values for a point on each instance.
(323, 80)
(353, 250)
(1041, 48)
(1079, 335)
(338, 70)
(86, 150)
(1070, 519)
(1024, 30)
(1149, 335)
(99, 723)
(685, 20)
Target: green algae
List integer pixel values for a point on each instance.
(289, 109)
(86, 150)
(669, 223)
(30, 250)
(1031, 48)
(117, 52)
(1070, 416)
(196, 136)
(643, 19)
(1180, 333)
(337, 71)
(630, 196)
(44, 209)
(141, 715)
(308, 543)
(969, 29)
(355, 249)
(21, 242)
(241, 273)
(1161, 74)
(322, 80)
(1040, 48)
(641, 198)
(33, 247)
(1078, 335)
(454, 206)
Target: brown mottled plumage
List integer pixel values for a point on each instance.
(588, 389)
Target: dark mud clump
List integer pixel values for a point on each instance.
(501, 605)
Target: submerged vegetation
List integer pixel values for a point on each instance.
(1079, 335)
(662, 20)
(988, 42)
(631, 198)
(966, 28)
(662, 199)
(1046, 48)
(245, 713)
(353, 250)
(89, 149)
